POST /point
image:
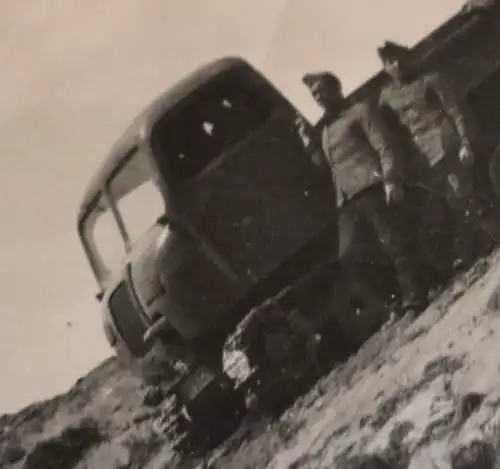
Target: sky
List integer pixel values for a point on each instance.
(73, 75)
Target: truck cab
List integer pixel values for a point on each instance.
(236, 209)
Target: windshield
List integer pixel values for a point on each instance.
(129, 207)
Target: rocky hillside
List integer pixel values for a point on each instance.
(425, 394)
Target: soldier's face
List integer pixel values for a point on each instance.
(318, 93)
(323, 96)
(393, 68)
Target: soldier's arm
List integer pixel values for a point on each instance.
(311, 140)
(316, 146)
(380, 137)
(382, 99)
(451, 106)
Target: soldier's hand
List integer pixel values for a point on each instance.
(300, 125)
(394, 194)
(454, 185)
(466, 156)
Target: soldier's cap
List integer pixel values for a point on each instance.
(393, 51)
(327, 78)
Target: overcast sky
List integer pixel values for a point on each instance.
(73, 74)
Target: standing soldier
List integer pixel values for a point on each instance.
(442, 133)
(367, 181)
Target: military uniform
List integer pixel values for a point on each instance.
(438, 127)
(357, 145)
(428, 109)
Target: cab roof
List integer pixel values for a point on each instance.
(138, 131)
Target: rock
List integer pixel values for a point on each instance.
(476, 455)
(153, 396)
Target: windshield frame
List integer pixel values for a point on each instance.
(105, 201)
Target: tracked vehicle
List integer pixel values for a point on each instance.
(241, 250)
(239, 213)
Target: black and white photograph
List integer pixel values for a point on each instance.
(250, 234)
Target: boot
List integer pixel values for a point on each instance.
(485, 218)
(490, 225)
(413, 293)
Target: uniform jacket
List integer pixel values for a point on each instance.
(432, 114)
(360, 151)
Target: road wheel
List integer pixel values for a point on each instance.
(280, 343)
(359, 309)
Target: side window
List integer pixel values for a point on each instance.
(137, 197)
(140, 209)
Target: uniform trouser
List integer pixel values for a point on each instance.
(435, 227)
(459, 207)
(479, 215)
(388, 225)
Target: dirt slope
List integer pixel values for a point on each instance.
(425, 394)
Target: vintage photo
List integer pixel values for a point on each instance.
(250, 234)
